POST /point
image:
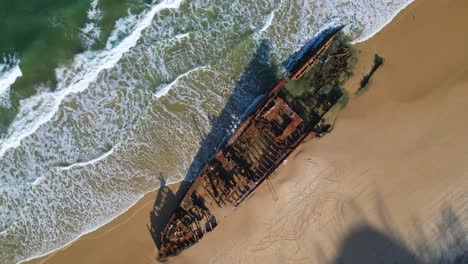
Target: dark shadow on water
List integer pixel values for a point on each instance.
(259, 76)
(294, 62)
(364, 243)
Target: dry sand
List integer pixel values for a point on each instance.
(390, 178)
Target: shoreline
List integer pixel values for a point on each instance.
(173, 184)
(124, 213)
(163, 92)
(52, 252)
(389, 21)
(35, 259)
(389, 169)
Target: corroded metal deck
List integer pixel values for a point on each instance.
(267, 136)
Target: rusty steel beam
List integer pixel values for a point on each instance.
(256, 148)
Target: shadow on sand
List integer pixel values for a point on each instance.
(365, 244)
(166, 202)
(259, 75)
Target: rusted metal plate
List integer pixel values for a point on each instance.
(256, 148)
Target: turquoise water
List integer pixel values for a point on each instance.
(98, 98)
(42, 34)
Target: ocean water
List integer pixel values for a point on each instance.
(136, 90)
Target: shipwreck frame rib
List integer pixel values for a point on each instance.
(256, 148)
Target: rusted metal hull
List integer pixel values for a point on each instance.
(258, 146)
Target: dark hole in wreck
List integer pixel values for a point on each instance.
(188, 219)
(260, 75)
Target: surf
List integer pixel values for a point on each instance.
(118, 117)
(9, 72)
(30, 118)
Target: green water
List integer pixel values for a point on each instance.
(176, 81)
(46, 33)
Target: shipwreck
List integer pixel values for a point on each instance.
(259, 145)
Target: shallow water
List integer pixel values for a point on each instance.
(122, 113)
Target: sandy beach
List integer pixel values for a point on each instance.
(389, 183)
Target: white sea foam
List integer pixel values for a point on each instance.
(268, 21)
(182, 36)
(118, 106)
(91, 32)
(97, 227)
(164, 89)
(381, 21)
(8, 76)
(363, 19)
(94, 13)
(123, 27)
(89, 162)
(39, 109)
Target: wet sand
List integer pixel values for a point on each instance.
(390, 178)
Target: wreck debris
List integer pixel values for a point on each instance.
(256, 148)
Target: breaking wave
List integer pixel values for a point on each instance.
(79, 154)
(75, 78)
(9, 72)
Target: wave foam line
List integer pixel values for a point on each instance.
(101, 61)
(6, 80)
(388, 21)
(182, 36)
(166, 88)
(268, 21)
(89, 162)
(97, 227)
